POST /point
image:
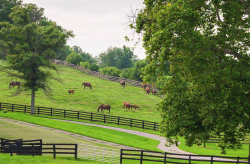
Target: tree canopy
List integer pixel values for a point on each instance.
(117, 57)
(206, 43)
(30, 47)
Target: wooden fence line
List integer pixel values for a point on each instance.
(100, 75)
(89, 116)
(37, 148)
(159, 157)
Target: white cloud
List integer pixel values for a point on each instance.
(97, 24)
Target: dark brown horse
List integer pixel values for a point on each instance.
(13, 83)
(127, 105)
(71, 91)
(87, 84)
(122, 83)
(134, 106)
(148, 90)
(104, 107)
(144, 85)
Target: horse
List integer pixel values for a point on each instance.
(144, 85)
(122, 83)
(134, 106)
(127, 105)
(154, 91)
(87, 84)
(71, 91)
(104, 107)
(148, 90)
(13, 83)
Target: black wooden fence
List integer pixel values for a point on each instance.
(159, 157)
(31, 147)
(93, 117)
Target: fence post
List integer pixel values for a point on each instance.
(86, 151)
(12, 108)
(141, 157)
(154, 126)
(64, 113)
(38, 110)
(189, 159)
(118, 120)
(51, 111)
(212, 159)
(78, 115)
(131, 122)
(75, 151)
(143, 124)
(104, 118)
(91, 117)
(103, 154)
(94, 152)
(41, 147)
(54, 151)
(32, 149)
(165, 157)
(121, 156)
(0, 106)
(25, 108)
(11, 149)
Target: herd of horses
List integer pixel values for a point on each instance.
(128, 105)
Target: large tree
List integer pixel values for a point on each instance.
(207, 44)
(30, 47)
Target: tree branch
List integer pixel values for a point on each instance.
(235, 54)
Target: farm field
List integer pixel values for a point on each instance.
(103, 92)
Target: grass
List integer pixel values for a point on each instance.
(213, 149)
(103, 92)
(90, 131)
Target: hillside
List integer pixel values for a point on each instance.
(103, 92)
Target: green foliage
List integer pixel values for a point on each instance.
(85, 56)
(206, 43)
(94, 67)
(111, 71)
(137, 70)
(117, 57)
(62, 53)
(29, 46)
(126, 73)
(74, 58)
(86, 65)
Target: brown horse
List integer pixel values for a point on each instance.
(71, 91)
(148, 90)
(144, 85)
(13, 83)
(104, 107)
(127, 105)
(154, 91)
(122, 83)
(87, 84)
(135, 106)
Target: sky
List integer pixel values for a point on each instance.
(97, 24)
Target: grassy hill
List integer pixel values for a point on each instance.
(102, 92)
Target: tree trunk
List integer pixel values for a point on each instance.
(32, 111)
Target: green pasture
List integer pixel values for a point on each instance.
(90, 131)
(88, 100)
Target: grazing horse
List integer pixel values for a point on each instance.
(122, 83)
(71, 91)
(87, 84)
(127, 105)
(134, 106)
(148, 90)
(13, 83)
(154, 91)
(144, 85)
(104, 107)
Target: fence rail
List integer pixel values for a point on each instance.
(97, 153)
(93, 117)
(100, 75)
(159, 157)
(24, 147)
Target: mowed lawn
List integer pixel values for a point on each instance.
(103, 92)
